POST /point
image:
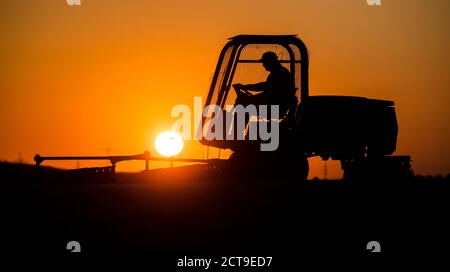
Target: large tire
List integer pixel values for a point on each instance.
(274, 166)
(386, 173)
(295, 168)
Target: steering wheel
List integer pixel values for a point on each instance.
(240, 91)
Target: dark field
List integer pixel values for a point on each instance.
(183, 211)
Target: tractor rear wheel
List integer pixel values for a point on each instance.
(293, 167)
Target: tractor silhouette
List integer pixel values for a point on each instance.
(359, 132)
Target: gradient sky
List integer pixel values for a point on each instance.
(76, 80)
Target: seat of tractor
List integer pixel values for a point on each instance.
(286, 119)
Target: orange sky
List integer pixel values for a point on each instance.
(75, 80)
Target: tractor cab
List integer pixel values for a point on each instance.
(240, 62)
(359, 132)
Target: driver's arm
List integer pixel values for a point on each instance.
(258, 87)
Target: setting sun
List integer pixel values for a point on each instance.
(169, 143)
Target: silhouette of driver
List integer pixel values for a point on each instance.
(278, 89)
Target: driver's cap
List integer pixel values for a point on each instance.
(269, 56)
